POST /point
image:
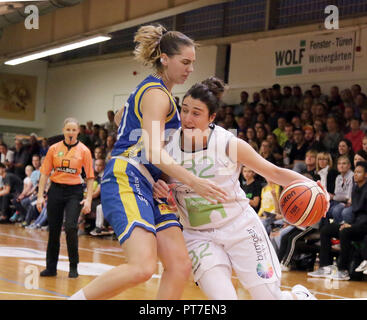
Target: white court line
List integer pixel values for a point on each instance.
(62, 245)
(30, 294)
(322, 293)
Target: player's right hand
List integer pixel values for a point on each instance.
(40, 203)
(209, 190)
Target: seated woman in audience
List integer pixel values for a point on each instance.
(343, 190)
(360, 155)
(345, 148)
(324, 168)
(251, 138)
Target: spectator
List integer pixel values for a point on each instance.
(288, 129)
(271, 111)
(307, 103)
(355, 134)
(276, 95)
(265, 151)
(319, 127)
(255, 99)
(347, 99)
(333, 136)
(44, 147)
(242, 124)
(297, 97)
(242, 106)
(363, 125)
(298, 151)
(269, 211)
(20, 159)
(94, 137)
(34, 146)
(24, 206)
(230, 122)
(251, 138)
(102, 141)
(317, 95)
(88, 221)
(98, 154)
(251, 186)
(310, 162)
(275, 149)
(110, 125)
(310, 139)
(280, 131)
(334, 101)
(364, 143)
(288, 104)
(89, 130)
(261, 133)
(13, 186)
(6, 155)
(355, 231)
(26, 193)
(355, 90)
(348, 115)
(361, 155)
(84, 137)
(345, 149)
(360, 104)
(324, 168)
(296, 121)
(343, 188)
(306, 117)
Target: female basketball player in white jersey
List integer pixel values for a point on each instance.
(146, 229)
(223, 236)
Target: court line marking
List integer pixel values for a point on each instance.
(62, 245)
(41, 289)
(29, 294)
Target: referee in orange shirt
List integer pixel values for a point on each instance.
(64, 161)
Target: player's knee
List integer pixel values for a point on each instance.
(185, 268)
(145, 271)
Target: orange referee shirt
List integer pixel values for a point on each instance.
(67, 164)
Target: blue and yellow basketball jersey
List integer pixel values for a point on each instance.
(129, 139)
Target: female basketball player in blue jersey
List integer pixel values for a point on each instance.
(145, 228)
(226, 236)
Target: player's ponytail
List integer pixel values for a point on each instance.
(153, 40)
(210, 92)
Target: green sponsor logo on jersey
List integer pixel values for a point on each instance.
(200, 211)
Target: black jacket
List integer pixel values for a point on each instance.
(359, 203)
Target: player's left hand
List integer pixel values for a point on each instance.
(160, 189)
(327, 196)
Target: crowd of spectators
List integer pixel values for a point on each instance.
(322, 136)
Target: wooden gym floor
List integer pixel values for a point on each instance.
(22, 254)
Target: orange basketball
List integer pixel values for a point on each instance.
(302, 203)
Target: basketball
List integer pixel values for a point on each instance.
(302, 203)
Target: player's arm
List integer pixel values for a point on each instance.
(240, 151)
(155, 106)
(118, 116)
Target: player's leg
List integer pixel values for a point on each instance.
(217, 284)
(212, 269)
(176, 263)
(140, 250)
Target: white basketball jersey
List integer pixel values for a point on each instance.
(211, 163)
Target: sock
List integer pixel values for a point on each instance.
(78, 296)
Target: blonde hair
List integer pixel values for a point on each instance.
(153, 40)
(326, 155)
(68, 120)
